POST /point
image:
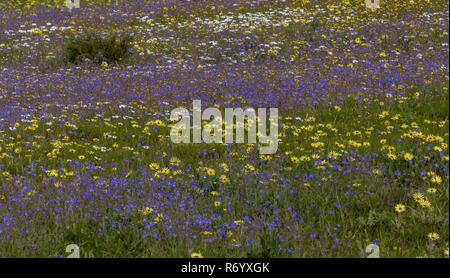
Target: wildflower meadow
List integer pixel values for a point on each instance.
(360, 159)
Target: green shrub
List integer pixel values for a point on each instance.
(97, 49)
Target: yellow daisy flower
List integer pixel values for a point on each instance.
(400, 208)
(433, 236)
(196, 255)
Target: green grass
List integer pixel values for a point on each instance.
(363, 216)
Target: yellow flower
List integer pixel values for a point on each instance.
(249, 168)
(217, 204)
(418, 197)
(436, 179)
(165, 171)
(304, 158)
(392, 156)
(294, 159)
(215, 193)
(425, 204)
(408, 156)
(175, 161)
(400, 208)
(431, 190)
(238, 222)
(196, 255)
(154, 166)
(53, 173)
(206, 233)
(128, 174)
(433, 236)
(159, 217)
(210, 172)
(146, 211)
(224, 179)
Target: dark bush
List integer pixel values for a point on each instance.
(97, 49)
